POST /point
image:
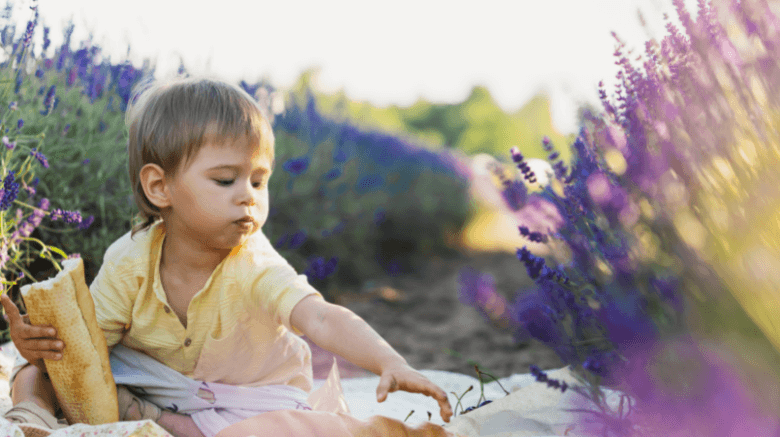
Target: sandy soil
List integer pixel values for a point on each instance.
(421, 317)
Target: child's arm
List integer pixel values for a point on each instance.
(340, 331)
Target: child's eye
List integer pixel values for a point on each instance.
(223, 182)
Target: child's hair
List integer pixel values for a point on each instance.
(170, 121)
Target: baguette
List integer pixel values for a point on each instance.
(82, 378)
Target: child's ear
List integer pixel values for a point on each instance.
(153, 182)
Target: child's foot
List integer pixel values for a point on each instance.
(132, 408)
(33, 420)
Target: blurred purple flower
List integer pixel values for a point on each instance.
(48, 102)
(542, 377)
(46, 40)
(515, 194)
(297, 240)
(296, 166)
(518, 158)
(319, 269)
(368, 183)
(332, 174)
(86, 223)
(66, 216)
(39, 156)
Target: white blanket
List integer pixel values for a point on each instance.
(532, 409)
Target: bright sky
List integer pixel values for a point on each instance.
(383, 52)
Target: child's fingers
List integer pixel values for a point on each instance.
(39, 331)
(36, 349)
(11, 311)
(387, 384)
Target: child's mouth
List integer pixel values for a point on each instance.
(245, 224)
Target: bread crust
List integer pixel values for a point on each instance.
(82, 379)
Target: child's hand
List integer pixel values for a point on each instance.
(403, 377)
(34, 343)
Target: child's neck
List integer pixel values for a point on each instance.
(187, 259)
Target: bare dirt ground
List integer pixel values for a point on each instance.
(421, 317)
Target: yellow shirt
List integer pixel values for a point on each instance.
(238, 326)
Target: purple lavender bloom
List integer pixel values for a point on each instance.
(332, 174)
(368, 183)
(66, 216)
(28, 33)
(20, 123)
(532, 315)
(297, 239)
(39, 156)
(86, 223)
(518, 158)
(18, 81)
(536, 237)
(319, 269)
(541, 376)
(282, 241)
(533, 263)
(296, 166)
(10, 191)
(46, 40)
(13, 106)
(627, 323)
(515, 194)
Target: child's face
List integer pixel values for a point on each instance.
(223, 184)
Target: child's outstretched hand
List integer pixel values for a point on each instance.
(34, 343)
(404, 377)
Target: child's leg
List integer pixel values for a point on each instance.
(178, 425)
(31, 385)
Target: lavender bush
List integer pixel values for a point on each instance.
(669, 232)
(24, 124)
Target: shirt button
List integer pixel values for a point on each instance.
(187, 342)
(167, 310)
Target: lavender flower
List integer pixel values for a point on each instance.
(297, 239)
(48, 101)
(518, 158)
(19, 123)
(296, 166)
(334, 173)
(368, 183)
(536, 237)
(86, 223)
(46, 40)
(10, 191)
(478, 290)
(319, 269)
(66, 216)
(533, 263)
(541, 376)
(39, 156)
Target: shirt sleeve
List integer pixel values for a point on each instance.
(278, 288)
(113, 304)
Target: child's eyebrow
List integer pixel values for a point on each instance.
(236, 167)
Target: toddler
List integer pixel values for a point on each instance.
(201, 315)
